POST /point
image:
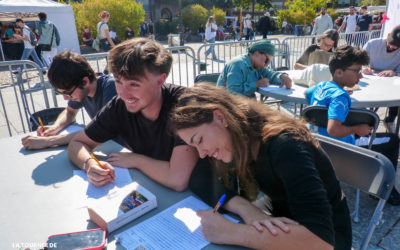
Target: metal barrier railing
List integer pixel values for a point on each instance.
(98, 61)
(374, 34)
(183, 70)
(224, 52)
(24, 93)
(295, 46)
(355, 38)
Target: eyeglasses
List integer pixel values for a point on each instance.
(357, 71)
(67, 93)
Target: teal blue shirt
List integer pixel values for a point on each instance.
(240, 77)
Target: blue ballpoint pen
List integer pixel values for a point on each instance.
(220, 202)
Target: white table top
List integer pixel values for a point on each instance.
(37, 198)
(375, 92)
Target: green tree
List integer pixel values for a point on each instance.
(372, 2)
(301, 11)
(193, 16)
(219, 15)
(122, 13)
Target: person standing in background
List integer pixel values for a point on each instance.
(49, 35)
(106, 43)
(265, 25)
(211, 33)
(322, 23)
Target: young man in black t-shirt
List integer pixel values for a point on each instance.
(139, 115)
(71, 76)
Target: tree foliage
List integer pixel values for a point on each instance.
(122, 13)
(300, 11)
(219, 15)
(193, 16)
(372, 2)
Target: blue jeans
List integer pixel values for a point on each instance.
(31, 52)
(211, 48)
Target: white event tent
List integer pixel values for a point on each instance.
(59, 14)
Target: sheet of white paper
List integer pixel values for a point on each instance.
(177, 227)
(271, 88)
(122, 178)
(363, 141)
(70, 129)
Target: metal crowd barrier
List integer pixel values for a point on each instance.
(295, 46)
(98, 61)
(22, 93)
(374, 34)
(355, 38)
(224, 52)
(183, 70)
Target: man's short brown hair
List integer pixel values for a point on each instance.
(132, 58)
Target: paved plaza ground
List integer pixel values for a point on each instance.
(386, 235)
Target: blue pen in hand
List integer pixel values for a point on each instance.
(220, 202)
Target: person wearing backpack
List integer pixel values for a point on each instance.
(49, 38)
(29, 39)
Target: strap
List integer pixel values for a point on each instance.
(98, 30)
(52, 35)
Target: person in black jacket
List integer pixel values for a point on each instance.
(254, 148)
(265, 25)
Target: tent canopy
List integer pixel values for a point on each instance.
(369, 8)
(59, 14)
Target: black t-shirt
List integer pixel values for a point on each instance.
(105, 91)
(363, 22)
(299, 181)
(151, 138)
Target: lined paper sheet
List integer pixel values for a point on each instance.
(70, 129)
(122, 178)
(271, 87)
(177, 227)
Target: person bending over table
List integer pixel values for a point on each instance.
(245, 73)
(346, 66)
(262, 150)
(384, 56)
(139, 115)
(320, 52)
(71, 76)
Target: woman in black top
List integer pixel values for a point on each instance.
(260, 149)
(320, 52)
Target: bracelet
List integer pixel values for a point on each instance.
(85, 163)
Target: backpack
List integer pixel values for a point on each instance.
(32, 38)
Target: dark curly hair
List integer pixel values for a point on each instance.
(347, 55)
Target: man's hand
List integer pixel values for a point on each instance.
(97, 175)
(362, 129)
(123, 160)
(368, 71)
(47, 130)
(286, 81)
(387, 73)
(35, 142)
(264, 82)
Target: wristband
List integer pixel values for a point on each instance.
(85, 163)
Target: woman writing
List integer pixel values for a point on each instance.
(262, 150)
(106, 43)
(320, 52)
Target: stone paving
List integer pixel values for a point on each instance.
(386, 235)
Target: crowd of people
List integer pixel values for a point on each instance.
(188, 137)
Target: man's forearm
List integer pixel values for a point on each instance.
(65, 118)
(59, 140)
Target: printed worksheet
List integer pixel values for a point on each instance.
(71, 129)
(272, 87)
(122, 178)
(177, 227)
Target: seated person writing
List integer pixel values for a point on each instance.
(320, 52)
(384, 56)
(71, 76)
(139, 115)
(245, 73)
(262, 150)
(346, 66)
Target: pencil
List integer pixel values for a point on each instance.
(219, 203)
(101, 165)
(40, 122)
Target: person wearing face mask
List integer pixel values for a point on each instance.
(384, 56)
(320, 52)
(253, 148)
(245, 73)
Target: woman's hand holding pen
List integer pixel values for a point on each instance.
(263, 82)
(286, 81)
(216, 228)
(97, 175)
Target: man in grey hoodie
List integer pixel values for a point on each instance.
(49, 35)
